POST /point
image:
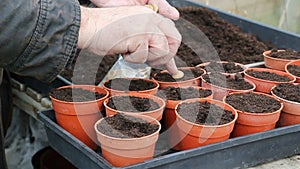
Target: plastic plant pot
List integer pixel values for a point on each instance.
(249, 123)
(265, 86)
(297, 63)
(157, 113)
(78, 118)
(275, 63)
(114, 92)
(193, 135)
(185, 83)
(122, 152)
(290, 114)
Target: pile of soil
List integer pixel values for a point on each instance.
(253, 103)
(221, 80)
(268, 76)
(294, 70)
(188, 75)
(288, 91)
(287, 54)
(204, 113)
(129, 85)
(124, 126)
(172, 93)
(75, 95)
(228, 67)
(132, 104)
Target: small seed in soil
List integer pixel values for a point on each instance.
(288, 91)
(227, 67)
(204, 113)
(268, 76)
(236, 83)
(125, 126)
(132, 104)
(253, 103)
(129, 85)
(188, 75)
(178, 75)
(294, 70)
(288, 54)
(75, 95)
(172, 93)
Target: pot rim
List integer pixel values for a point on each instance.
(266, 55)
(280, 98)
(185, 87)
(236, 63)
(293, 62)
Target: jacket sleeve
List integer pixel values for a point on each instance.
(38, 38)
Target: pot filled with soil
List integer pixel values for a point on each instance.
(257, 112)
(127, 139)
(227, 68)
(289, 95)
(277, 59)
(174, 96)
(293, 68)
(203, 121)
(133, 103)
(191, 78)
(131, 85)
(221, 85)
(265, 79)
(77, 108)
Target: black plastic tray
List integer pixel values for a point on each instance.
(237, 152)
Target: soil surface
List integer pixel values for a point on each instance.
(288, 91)
(287, 54)
(253, 103)
(204, 113)
(294, 70)
(172, 93)
(268, 76)
(188, 75)
(221, 80)
(132, 104)
(124, 126)
(75, 95)
(129, 85)
(229, 67)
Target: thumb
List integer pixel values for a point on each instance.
(171, 67)
(165, 9)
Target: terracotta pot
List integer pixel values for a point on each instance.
(157, 114)
(290, 114)
(114, 92)
(78, 118)
(231, 74)
(265, 86)
(275, 63)
(169, 118)
(295, 62)
(220, 92)
(186, 83)
(121, 152)
(249, 123)
(193, 135)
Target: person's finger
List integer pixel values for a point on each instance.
(165, 9)
(158, 47)
(171, 67)
(137, 51)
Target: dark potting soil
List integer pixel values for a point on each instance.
(129, 85)
(294, 70)
(124, 126)
(132, 104)
(75, 95)
(268, 76)
(188, 75)
(204, 113)
(287, 54)
(229, 67)
(221, 80)
(172, 93)
(253, 103)
(288, 91)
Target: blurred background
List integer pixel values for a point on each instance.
(284, 14)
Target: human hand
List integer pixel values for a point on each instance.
(136, 32)
(164, 7)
